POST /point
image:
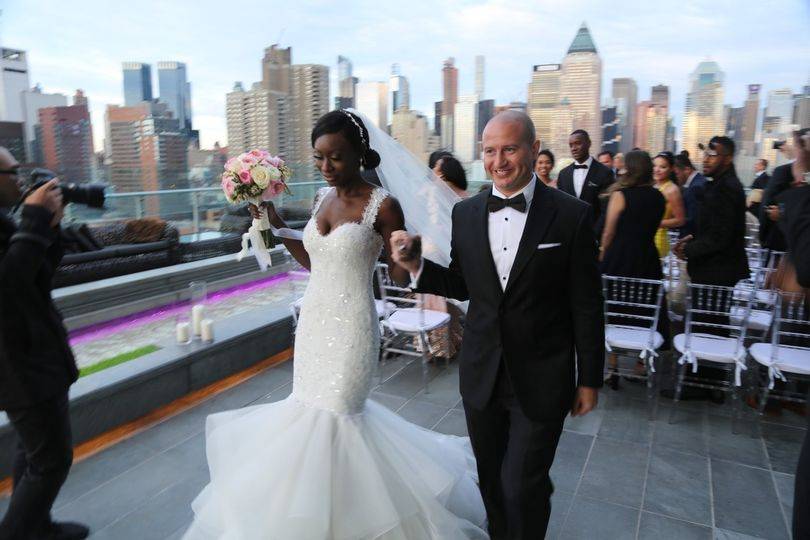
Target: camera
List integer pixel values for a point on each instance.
(91, 195)
(778, 144)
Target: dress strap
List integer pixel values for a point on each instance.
(319, 197)
(378, 195)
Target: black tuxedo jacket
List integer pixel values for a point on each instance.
(717, 254)
(597, 180)
(770, 235)
(551, 308)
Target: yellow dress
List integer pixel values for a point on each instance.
(662, 234)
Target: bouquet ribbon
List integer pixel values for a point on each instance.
(254, 237)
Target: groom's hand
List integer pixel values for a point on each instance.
(406, 250)
(585, 400)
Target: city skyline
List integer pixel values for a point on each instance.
(633, 46)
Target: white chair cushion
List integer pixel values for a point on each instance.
(411, 320)
(757, 320)
(788, 359)
(631, 337)
(383, 306)
(708, 347)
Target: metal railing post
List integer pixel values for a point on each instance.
(195, 211)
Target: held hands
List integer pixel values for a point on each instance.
(680, 246)
(406, 250)
(49, 197)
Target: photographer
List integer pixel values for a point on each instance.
(36, 363)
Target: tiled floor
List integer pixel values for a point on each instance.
(617, 474)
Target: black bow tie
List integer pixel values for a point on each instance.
(496, 203)
(580, 166)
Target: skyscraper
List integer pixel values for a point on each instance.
(625, 96)
(372, 101)
(410, 129)
(276, 69)
(780, 104)
(346, 84)
(486, 110)
(12, 137)
(610, 129)
(734, 124)
(400, 91)
(13, 80)
(659, 95)
(32, 101)
(137, 83)
(479, 76)
(309, 90)
(544, 96)
(258, 118)
(748, 136)
(449, 99)
(437, 117)
(581, 84)
(801, 109)
(465, 138)
(703, 117)
(175, 91)
(651, 127)
(147, 151)
(65, 141)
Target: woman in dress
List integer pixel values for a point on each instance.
(675, 213)
(543, 167)
(632, 219)
(327, 462)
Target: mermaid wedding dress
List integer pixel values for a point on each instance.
(327, 463)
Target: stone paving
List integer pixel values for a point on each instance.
(617, 474)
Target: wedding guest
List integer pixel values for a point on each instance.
(618, 164)
(674, 215)
(452, 172)
(770, 234)
(543, 167)
(692, 185)
(754, 199)
(606, 158)
(585, 178)
(435, 156)
(628, 249)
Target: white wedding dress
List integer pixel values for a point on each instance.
(327, 462)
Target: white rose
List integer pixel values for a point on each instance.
(234, 165)
(274, 173)
(261, 176)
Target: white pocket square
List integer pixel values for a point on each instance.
(546, 246)
(591, 184)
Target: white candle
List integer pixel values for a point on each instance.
(197, 314)
(183, 332)
(207, 327)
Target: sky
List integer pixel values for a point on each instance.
(82, 43)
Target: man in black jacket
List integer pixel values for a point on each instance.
(758, 186)
(586, 178)
(36, 363)
(716, 254)
(525, 256)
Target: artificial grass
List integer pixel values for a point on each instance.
(118, 359)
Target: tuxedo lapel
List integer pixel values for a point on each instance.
(481, 230)
(590, 179)
(541, 214)
(566, 180)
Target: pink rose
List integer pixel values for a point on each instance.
(228, 187)
(244, 176)
(274, 189)
(275, 161)
(257, 153)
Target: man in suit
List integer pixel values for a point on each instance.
(525, 256)
(586, 178)
(36, 364)
(715, 254)
(692, 185)
(605, 157)
(758, 186)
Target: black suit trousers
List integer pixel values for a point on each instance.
(41, 465)
(514, 455)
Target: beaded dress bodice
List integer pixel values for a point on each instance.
(338, 334)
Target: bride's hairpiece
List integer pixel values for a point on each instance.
(359, 128)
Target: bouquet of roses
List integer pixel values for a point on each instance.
(254, 177)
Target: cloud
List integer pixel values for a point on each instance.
(222, 43)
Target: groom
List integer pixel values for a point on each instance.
(525, 256)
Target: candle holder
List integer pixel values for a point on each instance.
(183, 330)
(198, 293)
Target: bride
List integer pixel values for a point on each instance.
(327, 462)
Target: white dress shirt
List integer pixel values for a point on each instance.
(580, 174)
(505, 229)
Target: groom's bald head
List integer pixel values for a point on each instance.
(513, 119)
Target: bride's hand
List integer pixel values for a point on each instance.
(406, 250)
(268, 207)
